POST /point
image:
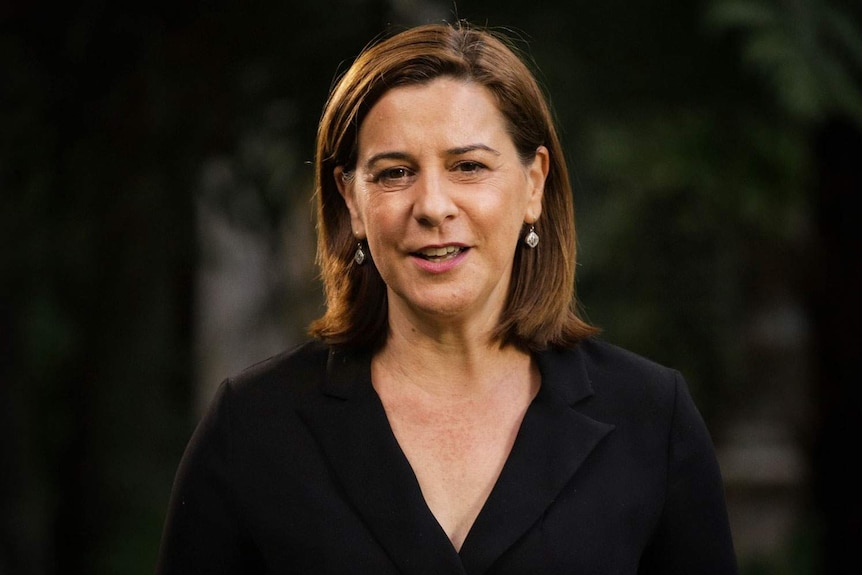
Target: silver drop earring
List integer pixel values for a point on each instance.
(359, 256)
(532, 238)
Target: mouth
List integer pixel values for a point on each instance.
(440, 254)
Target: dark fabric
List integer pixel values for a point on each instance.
(294, 469)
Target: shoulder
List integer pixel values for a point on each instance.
(262, 402)
(285, 377)
(620, 383)
(603, 359)
(604, 366)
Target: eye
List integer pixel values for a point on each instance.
(393, 175)
(469, 167)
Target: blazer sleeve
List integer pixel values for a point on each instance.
(693, 535)
(202, 530)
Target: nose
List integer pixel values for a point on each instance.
(433, 203)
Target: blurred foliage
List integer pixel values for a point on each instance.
(809, 52)
(688, 125)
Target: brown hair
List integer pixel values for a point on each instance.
(540, 310)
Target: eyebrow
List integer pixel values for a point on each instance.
(458, 151)
(470, 148)
(386, 156)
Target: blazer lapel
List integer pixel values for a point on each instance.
(351, 426)
(553, 442)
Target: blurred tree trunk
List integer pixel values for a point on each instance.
(98, 257)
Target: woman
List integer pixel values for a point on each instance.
(452, 414)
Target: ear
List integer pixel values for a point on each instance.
(346, 183)
(537, 172)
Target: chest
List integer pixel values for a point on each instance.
(457, 456)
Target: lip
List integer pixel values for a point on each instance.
(441, 265)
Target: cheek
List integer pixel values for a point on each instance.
(383, 221)
(504, 210)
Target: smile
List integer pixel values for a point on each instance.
(440, 254)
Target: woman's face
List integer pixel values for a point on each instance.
(441, 196)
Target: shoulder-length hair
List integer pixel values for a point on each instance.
(540, 310)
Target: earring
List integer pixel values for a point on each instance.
(359, 256)
(532, 238)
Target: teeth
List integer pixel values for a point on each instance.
(440, 252)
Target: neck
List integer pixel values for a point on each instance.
(448, 361)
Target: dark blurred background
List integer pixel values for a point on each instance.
(157, 236)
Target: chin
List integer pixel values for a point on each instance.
(448, 307)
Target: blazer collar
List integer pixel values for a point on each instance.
(564, 374)
(354, 433)
(552, 443)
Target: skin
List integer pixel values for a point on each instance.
(437, 173)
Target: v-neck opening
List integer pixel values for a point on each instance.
(354, 431)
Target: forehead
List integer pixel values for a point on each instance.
(444, 110)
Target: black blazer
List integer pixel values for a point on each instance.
(294, 469)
